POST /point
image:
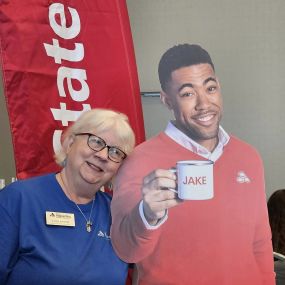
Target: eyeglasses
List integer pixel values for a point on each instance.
(97, 144)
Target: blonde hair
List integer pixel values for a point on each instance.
(100, 120)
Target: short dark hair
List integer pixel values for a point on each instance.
(178, 56)
(276, 212)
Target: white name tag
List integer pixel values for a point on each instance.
(60, 219)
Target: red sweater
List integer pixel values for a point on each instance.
(225, 240)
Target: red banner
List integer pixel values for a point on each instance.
(60, 58)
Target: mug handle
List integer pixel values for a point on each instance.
(173, 170)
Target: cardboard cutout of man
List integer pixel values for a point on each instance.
(224, 240)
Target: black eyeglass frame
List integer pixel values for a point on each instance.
(104, 146)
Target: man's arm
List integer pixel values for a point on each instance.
(131, 239)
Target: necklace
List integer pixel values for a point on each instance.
(88, 221)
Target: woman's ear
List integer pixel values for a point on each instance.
(164, 98)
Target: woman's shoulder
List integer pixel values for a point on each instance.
(104, 197)
(28, 186)
(33, 180)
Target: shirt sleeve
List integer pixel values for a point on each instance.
(132, 238)
(147, 225)
(8, 245)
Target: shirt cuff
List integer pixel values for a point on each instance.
(147, 225)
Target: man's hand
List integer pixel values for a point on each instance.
(156, 194)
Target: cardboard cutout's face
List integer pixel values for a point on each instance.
(194, 96)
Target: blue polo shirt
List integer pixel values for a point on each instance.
(33, 252)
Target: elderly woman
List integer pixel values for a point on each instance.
(55, 229)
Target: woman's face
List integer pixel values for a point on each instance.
(86, 165)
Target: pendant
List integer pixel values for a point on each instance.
(89, 226)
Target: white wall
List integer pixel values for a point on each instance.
(246, 39)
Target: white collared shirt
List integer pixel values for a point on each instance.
(182, 139)
(190, 144)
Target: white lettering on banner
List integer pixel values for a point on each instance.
(69, 74)
(59, 53)
(61, 30)
(56, 140)
(65, 115)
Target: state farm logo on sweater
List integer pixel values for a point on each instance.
(242, 177)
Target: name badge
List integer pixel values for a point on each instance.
(60, 219)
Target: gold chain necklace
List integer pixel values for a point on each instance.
(88, 221)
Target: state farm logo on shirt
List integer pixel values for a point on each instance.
(242, 177)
